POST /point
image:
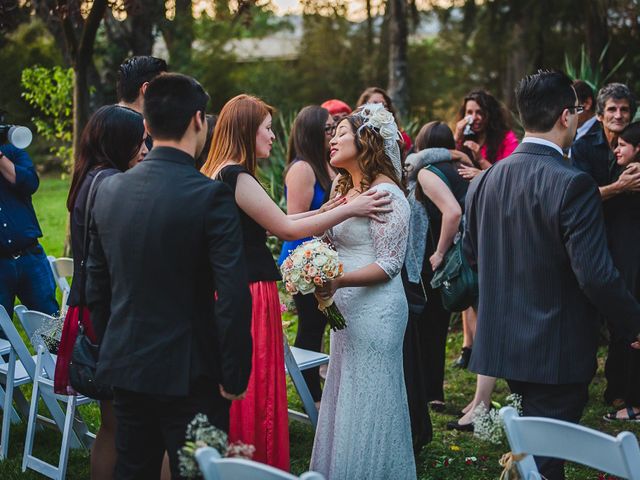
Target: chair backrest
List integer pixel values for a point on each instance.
(547, 437)
(31, 321)
(62, 269)
(213, 467)
(16, 341)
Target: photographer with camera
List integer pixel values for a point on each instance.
(24, 268)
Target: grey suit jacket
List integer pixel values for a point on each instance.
(534, 228)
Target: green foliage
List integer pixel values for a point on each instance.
(50, 91)
(29, 44)
(593, 76)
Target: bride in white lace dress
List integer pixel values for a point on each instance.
(363, 429)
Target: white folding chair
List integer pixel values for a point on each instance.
(14, 375)
(213, 467)
(75, 433)
(62, 269)
(296, 360)
(547, 437)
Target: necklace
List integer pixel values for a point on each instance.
(354, 193)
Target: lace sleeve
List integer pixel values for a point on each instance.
(390, 238)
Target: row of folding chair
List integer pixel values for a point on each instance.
(23, 368)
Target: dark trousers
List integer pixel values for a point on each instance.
(563, 402)
(30, 278)
(311, 327)
(412, 355)
(622, 370)
(433, 325)
(149, 425)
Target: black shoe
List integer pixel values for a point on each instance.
(461, 428)
(463, 360)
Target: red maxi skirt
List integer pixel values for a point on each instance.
(75, 316)
(261, 418)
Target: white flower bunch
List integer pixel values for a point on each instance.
(49, 332)
(376, 116)
(487, 424)
(200, 433)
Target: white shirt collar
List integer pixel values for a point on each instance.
(586, 126)
(542, 141)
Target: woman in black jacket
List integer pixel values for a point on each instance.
(112, 142)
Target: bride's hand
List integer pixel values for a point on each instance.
(370, 204)
(327, 290)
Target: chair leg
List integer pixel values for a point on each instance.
(8, 406)
(66, 434)
(301, 386)
(31, 423)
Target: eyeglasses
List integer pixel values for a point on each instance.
(330, 130)
(575, 109)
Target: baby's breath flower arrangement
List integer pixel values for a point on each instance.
(311, 265)
(487, 424)
(49, 332)
(200, 433)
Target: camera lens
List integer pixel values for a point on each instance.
(20, 136)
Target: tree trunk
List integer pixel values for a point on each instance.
(597, 34)
(179, 35)
(398, 86)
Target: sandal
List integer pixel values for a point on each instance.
(631, 416)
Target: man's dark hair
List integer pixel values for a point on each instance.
(541, 99)
(616, 91)
(631, 134)
(134, 73)
(170, 101)
(584, 91)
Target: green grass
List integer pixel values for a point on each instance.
(446, 445)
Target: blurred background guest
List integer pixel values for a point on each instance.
(307, 178)
(337, 109)
(622, 222)
(24, 268)
(483, 132)
(379, 95)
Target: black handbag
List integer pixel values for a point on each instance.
(84, 358)
(456, 280)
(82, 369)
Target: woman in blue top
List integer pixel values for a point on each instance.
(308, 176)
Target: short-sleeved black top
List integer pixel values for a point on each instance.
(260, 263)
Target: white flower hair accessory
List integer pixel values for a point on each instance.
(381, 121)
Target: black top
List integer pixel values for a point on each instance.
(592, 155)
(458, 186)
(164, 242)
(260, 263)
(76, 295)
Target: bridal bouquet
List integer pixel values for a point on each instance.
(309, 266)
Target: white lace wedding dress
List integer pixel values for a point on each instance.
(363, 430)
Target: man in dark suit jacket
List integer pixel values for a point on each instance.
(535, 230)
(167, 287)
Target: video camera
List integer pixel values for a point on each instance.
(17, 135)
